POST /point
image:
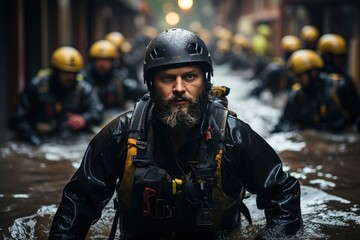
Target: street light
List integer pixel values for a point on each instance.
(172, 18)
(185, 4)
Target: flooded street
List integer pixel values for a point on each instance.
(327, 166)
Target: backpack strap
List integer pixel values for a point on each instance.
(138, 133)
(215, 137)
(139, 123)
(204, 176)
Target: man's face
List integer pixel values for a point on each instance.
(178, 96)
(66, 79)
(303, 79)
(103, 65)
(309, 81)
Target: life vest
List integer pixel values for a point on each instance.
(148, 198)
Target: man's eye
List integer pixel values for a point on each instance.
(189, 76)
(167, 78)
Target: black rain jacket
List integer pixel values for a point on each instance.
(247, 161)
(43, 100)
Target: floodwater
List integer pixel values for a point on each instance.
(327, 166)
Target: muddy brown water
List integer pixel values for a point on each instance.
(327, 166)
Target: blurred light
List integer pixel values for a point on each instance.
(185, 4)
(172, 18)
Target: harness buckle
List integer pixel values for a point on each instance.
(205, 216)
(141, 144)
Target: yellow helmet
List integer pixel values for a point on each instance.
(241, 40)
(304, 60)
(309, 33)
(264, 29)
(332, 43)
(116, 38)
(67, 59)
(103, 49)
(290, 43)
(221, 32)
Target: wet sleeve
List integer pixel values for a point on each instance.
(277, 192)
(20, 119)
(92, 185)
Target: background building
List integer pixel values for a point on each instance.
(31, 30)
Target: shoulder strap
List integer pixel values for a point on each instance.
(218, 116)
(139, 122)
(137, 132)
(214, 137)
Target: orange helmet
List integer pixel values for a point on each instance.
(67, 59)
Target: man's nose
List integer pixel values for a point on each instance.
(179, 86)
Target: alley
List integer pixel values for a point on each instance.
(327, 166)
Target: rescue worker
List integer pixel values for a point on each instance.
(118, 39)
(262, 47)
(113, 86)
(275, 76)
(261, 41)
(178, 161)
(57, 100)
(241, 55)
(124, 61)
(221, 50)
(315, 101)
(309, 35)
(143, 37)
(333, 52)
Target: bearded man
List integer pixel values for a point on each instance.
(179, 162)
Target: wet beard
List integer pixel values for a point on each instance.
(179, 116)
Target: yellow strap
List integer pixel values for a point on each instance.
(125, 188)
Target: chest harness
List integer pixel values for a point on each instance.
(152, 202)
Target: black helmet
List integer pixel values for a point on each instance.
(176, 47)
